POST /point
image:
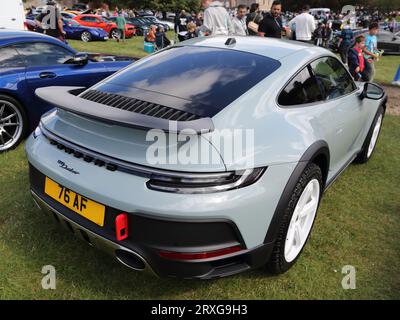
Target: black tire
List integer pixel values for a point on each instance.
(277, 263)
(364, 154)
(86, 36)
(115, 34)
(7, 104)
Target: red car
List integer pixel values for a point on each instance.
(92, 20)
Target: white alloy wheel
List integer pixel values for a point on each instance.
(11, 125)
(302, 220)
(86, 36)
(374, 136)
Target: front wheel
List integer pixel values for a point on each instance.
(86, 36)
(371, 139)
(297, 221)
(13, 123)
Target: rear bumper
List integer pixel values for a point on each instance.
(160, 221)
(148, 236)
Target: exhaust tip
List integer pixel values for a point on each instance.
(131, 260)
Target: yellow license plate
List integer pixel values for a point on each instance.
(85, 207)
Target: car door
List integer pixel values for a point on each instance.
(348, 115)
(388, 42)
(45, 66)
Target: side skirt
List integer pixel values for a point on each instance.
(343, 168)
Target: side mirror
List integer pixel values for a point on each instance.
(80, 59)
(373, 91)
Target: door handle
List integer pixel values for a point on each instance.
(47, 75)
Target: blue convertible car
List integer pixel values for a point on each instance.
(31, 60)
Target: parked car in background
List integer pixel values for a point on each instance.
(74, 12)
(31, 60)
(12, 14)
(141, 26)
(145, 12)
(76, 31)
(67, 15)
(92, 20)
(389, 42)
(93, 162)
(153, 20)
(169, 23)
(80, 7)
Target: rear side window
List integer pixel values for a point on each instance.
(9, 58)
(332, 77)
(207, 78)
(302, 89)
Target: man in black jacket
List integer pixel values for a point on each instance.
(254, 16)
(271, 25)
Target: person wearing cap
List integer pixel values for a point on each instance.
(51, 21)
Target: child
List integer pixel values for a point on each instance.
(356, 60)
(371, 50)
(191, 31)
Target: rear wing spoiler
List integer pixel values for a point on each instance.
(66, 98)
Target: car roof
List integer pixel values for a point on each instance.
(269, 47)
(8, 36)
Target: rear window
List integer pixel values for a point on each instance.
(208, 77)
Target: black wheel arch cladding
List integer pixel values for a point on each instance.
(317, 153)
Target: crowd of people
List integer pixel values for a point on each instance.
(359, 53)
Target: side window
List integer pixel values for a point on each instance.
(9, 58)
(43, 54)
(332, 77)
(301, 90)
(88, 19)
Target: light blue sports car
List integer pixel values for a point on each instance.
(205, 159)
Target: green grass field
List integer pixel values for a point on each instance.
(358, 224)
(131, 47)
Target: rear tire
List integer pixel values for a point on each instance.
(371, 139)
(13, 123)
(297, 221)
(115, 34)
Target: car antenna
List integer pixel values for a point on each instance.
(230, 41)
